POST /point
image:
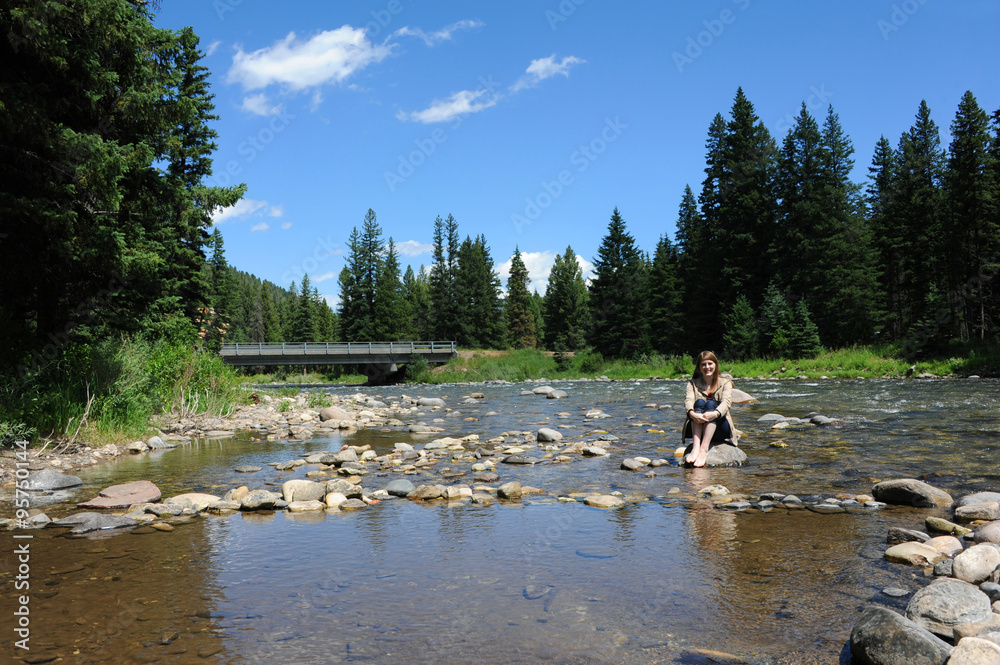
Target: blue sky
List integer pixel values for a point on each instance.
(531, 121)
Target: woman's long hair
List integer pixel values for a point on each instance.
(706, 355)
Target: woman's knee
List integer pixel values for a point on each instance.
(700, 406)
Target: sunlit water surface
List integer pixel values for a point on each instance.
(539, 581)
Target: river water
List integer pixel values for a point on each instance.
(668, 579)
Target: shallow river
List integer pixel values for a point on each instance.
(660, 581)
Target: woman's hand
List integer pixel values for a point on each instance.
(698, 417)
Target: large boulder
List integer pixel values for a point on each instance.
(156, 443)
(430, 401)
(259, 500)
(975, 651)
(302, 490)
(946, 603)
(547, 434)
(911, 492)
(123, 496)
(336, 414)
(90, 522)
(882, 637)
(740, 397)
(194, 500)
(988, 533)
(976, 564)
(48, 480)
(971, 512)
(916, 554)
(722, 454)
(338, 458)
(347, 488)
(978, 497)
(400, 487)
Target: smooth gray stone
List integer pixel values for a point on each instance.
(511, 491)
(247, 468)
(898, 535)
(520, 459)
(338, 458)
(89, 522)
(735, 506)
(49, 479)
(399, 487)
(157, 443)
(430, 401)
(911, 492)
(947, 602)
(882, 637)
(722, 454)
(826, 508)
(547, 434)
(607, 437)
(895, 592)
(161, 509)
(944, 567)
(991, 590)
(259, 500)
(341, 486)
(978, 497)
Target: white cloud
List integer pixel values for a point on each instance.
(246, 209)
(328, 57)
(414, 248)
(438, 36)
(286, 225)
(474, 101)
(213, 47)
(263, 226)
(460, 103)
(324, 277)
(586, 267)
(332, 301)
(544, 68)
(259, 104)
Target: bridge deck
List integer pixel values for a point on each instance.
(335, 353)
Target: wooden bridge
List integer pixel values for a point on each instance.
(381, 357)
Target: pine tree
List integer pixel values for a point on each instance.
(416, 295)
(518, 305)
(269, 315)
(747, 206)
(920, 201)
(305, 319)
(883, 216)
(358, 286)
(742, 334)
(666, 300)
(699, 325)
(565, 308)
(478, 296)
(619, 302)
(773, 322)
(803, 336)
(389, 320)
(974, 232)
(442, 282)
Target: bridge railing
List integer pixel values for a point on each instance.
(337, 348)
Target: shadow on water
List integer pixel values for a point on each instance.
(668, 579)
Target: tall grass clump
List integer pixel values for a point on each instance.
(107, 391)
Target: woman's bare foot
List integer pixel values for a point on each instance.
(702, 458)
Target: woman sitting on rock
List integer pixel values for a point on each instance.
(707, 403)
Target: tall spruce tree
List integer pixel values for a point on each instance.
(305, 321)
(417, 297)
(883, 218)
(974, 231)
(565, 308)
(666, 312)
(390, 315)
(700, 322)
(478, 295)
(920, 201)
(442, 282)
(518, 307)
(358, 285)
(747, 206)
(619, 295)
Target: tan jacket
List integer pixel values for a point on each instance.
(724, 396)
